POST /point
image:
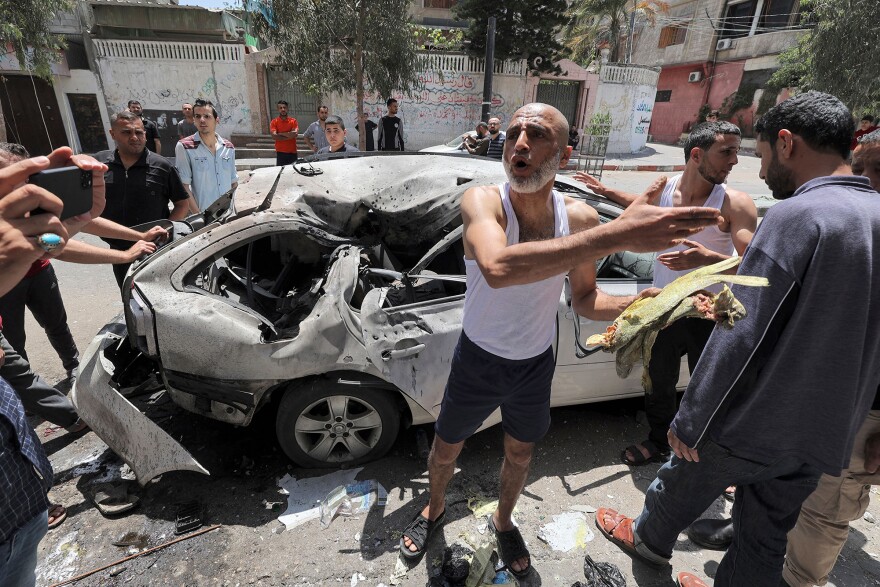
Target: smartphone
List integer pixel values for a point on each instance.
(71, 185)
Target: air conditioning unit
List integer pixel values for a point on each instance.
(724, 44)
(695, 76)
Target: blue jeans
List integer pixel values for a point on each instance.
(18, 555)
(768, 501)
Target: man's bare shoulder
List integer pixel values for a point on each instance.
(480, 200)
(581, 216)
(741, 201)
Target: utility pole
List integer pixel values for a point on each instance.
(489, 70)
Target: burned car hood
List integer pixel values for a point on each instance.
(410, 198)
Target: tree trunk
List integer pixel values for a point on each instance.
(359, 74)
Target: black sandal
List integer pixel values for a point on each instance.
(656, 454)
(419, 532)
(511, 547)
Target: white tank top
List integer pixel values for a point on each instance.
(712, 237)
(516, 322)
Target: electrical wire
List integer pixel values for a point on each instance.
(37, 98)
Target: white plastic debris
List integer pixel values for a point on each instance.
(566, 532)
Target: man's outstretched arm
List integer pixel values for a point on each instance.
(642, 227)
(618, 196)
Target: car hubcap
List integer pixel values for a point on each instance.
(338, 428)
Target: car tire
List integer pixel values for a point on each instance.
(325, 424)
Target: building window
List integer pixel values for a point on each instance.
(663, 96)
(738, 19)
(672, 35)
(778, 14)
(440, 3)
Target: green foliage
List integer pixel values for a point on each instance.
(25, 25)
(600, 123)
(439, 39)
(838, 55)
(523, 30)
(593, 24)
(344, 45)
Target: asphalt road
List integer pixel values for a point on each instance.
(576, 468)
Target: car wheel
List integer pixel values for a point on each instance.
(327, 424)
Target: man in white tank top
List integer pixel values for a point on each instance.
(520, 240)
(710, 153)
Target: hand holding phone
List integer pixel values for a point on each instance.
(72, 185)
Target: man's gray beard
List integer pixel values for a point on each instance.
(529, 185)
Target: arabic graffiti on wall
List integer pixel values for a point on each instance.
(168, 86)
(448, 103)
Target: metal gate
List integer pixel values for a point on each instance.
(563, 95)
(303, 106)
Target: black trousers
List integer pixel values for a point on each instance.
(285, 158)
(37, 396)
(685, 336)
(41, 295)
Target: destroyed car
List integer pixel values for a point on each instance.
(331, 294)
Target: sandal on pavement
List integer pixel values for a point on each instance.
(619, 529)
(511, 547)
(419, 532)
(655, 454)
(690, 580)
(57, 514)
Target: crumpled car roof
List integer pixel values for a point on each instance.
(412, 196)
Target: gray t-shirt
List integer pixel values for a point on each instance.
(796, 376)
(346, 148)
(316, 133)
(186, 129)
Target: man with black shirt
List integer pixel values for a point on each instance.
(152, 131)
(369, 127)
(139, 184)
(391, 129)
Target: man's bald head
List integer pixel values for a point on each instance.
(548, 116)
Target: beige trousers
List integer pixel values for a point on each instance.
(823, 526)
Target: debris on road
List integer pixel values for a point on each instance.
(566, 532)
(113, 498)
(350, 500)
(305, 494)
(601, 575)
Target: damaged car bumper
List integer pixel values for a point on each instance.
(143, 445)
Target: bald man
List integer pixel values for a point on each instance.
(521, 238)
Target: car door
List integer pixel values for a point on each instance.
(411, 342)
(579, 378)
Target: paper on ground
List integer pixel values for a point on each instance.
(304, 494)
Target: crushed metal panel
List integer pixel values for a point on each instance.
(392, 336)
(147, 449)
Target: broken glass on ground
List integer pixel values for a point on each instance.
(350, 500)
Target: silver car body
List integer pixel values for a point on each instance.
(222, 358)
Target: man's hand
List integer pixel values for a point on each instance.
(64, 157)
(680, 449)
(590, 181)
(645, 227)
(139, 249)
(2, 357)
(872, 453)
(155, 234)
(651, 292)
(696, 255)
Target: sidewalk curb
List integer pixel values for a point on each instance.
(632, 167)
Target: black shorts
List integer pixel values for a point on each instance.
(480, 382)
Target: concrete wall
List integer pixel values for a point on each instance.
(675, 117)
(627, 93)
(448, 104)
(164, 75)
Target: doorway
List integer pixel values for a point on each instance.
(31, 112)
